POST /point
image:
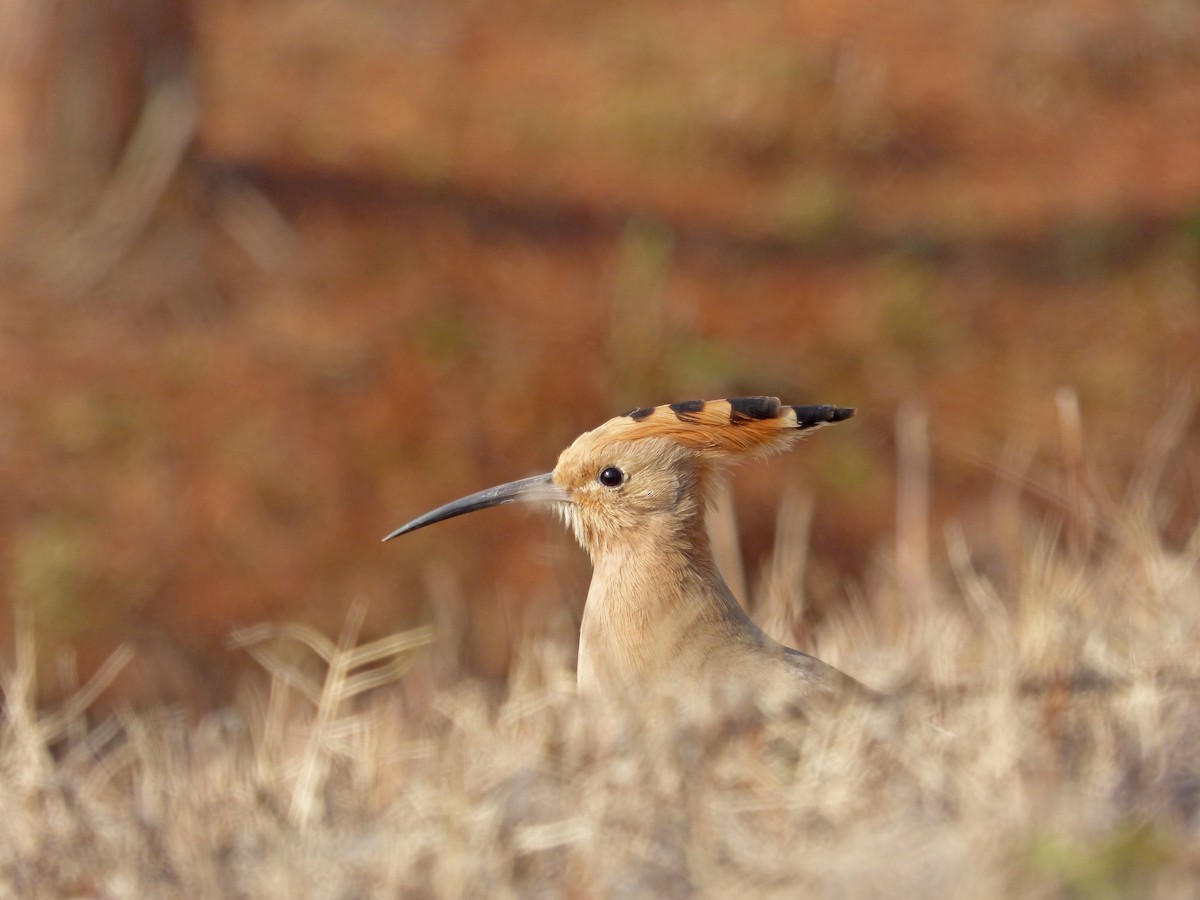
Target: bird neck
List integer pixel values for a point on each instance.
(657, 604)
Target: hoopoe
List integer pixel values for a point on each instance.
(634, 491)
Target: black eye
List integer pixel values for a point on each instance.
(612, 477)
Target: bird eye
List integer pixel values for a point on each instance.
(612, 477)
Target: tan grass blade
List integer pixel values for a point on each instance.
(329, 733)
(721, 521)
(912, 507)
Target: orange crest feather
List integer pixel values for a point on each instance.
(742, 425)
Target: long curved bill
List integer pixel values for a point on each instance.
(538, 489)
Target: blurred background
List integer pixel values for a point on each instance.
(278, 276)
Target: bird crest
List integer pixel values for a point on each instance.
(754, 426)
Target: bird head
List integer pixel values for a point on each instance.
(648, 467)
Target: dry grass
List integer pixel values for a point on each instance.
(1040, 740)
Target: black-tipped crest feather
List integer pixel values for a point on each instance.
(722, 428)
(743, 408)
